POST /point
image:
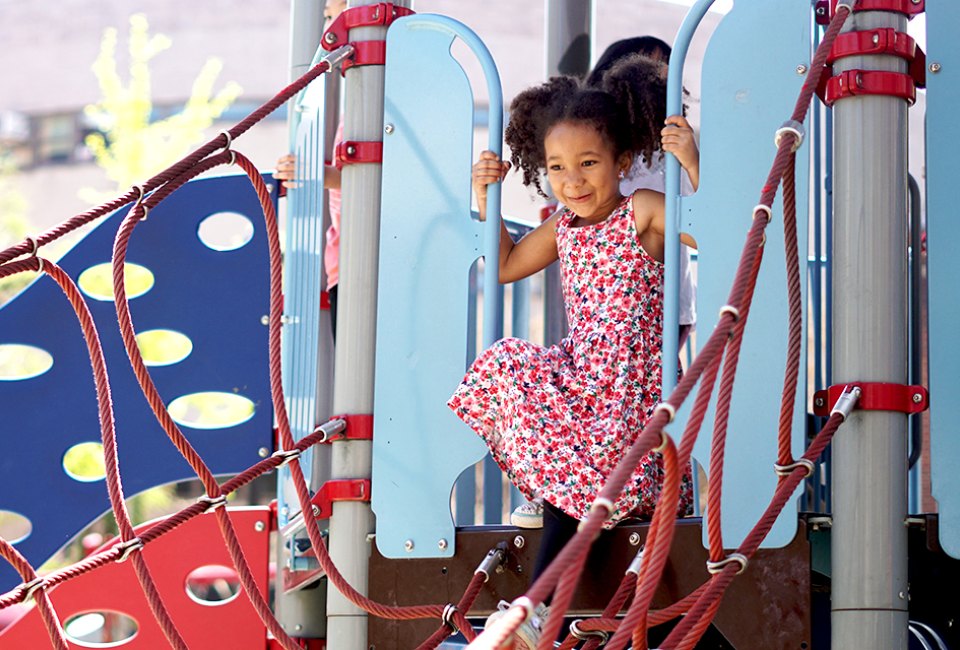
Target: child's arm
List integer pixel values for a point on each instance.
(677, 138)
(648, 212)
(286, 168)
(536, 250)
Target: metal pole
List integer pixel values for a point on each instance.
(568, 34)
(869, 539)
(352, 522)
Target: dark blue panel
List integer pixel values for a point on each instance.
(215, 298)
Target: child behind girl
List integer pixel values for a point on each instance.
(558, 419)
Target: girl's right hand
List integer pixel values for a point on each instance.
(488, 169)
(286, 167)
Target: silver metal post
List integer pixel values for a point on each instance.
(869, 539)
(352, 522)
(569, 36)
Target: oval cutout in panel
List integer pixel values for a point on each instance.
(211, 410)
(213, 585)
(19, 361)
(14, 527)
(105, 629)
(84, 462)
(97, 281)
(225, 231)
(163, 347)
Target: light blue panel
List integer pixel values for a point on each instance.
(943, 231)
(428, 242)
(745, 99)
(303, 266)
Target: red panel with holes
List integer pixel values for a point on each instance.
(208, 619)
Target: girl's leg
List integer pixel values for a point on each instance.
(558, 529)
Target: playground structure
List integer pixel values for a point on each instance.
(418, 450)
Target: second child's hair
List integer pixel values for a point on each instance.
(627, 109)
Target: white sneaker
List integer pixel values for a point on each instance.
(528, 515)
(527, 635)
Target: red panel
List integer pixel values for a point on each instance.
(171, 558)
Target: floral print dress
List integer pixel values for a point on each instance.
(558, 419)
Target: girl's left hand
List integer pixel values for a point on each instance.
(677, 138)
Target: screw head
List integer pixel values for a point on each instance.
(818, 401)
(330, 38)
(634, 539)
(408, 545)
(917, 398)
(442, 544)
(263, 452)
(351, 150)
(264, 320)
(821, 10)
(298, 627)
(316, 510)
(259, 526)
(935, 68)
(388, 129)
(876, 39)
(802, 69)
(519, 541)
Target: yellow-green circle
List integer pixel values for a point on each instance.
(211, 410)
(19, 361)
(84, 462)
(163, 347)
(97, 281)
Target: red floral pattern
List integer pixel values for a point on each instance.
(558, 419)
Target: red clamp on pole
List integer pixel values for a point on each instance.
(884, 40)
(909, 8)
(378, 15)
(359, 427)
(852, 83)
(351, 489)
(350, 152)
(875, 396)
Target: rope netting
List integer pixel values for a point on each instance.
(721, 349)
(560, 579)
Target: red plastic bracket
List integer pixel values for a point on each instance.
(875, 396)
(366, 53)
(325, 300)
(352, 489)
(884, 41)
(825, 9)
(378, 15)
(852, 83)
(359, 427)
(351, 152)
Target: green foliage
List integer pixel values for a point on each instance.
(131, 148)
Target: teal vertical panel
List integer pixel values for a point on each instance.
(428, 243)
(943, 264)
(747, 93)
(303, 264)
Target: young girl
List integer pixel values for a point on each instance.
(558, 419)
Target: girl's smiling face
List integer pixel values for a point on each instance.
(582, 170)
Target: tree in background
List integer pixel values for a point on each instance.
(128, 145)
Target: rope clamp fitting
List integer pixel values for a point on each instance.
(790, 126)
(787, 470)
(287, 455)
(355, 427)
(730, 309)
(765, 209)
(718, 566)
(602, 502)
(634, 567)
(32, 587)
(493, 559)
(664, 442)
(584, 635)
(667, 408)
(128, 547)
(447, 617)
(212, 502)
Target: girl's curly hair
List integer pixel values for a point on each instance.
(627, 109)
